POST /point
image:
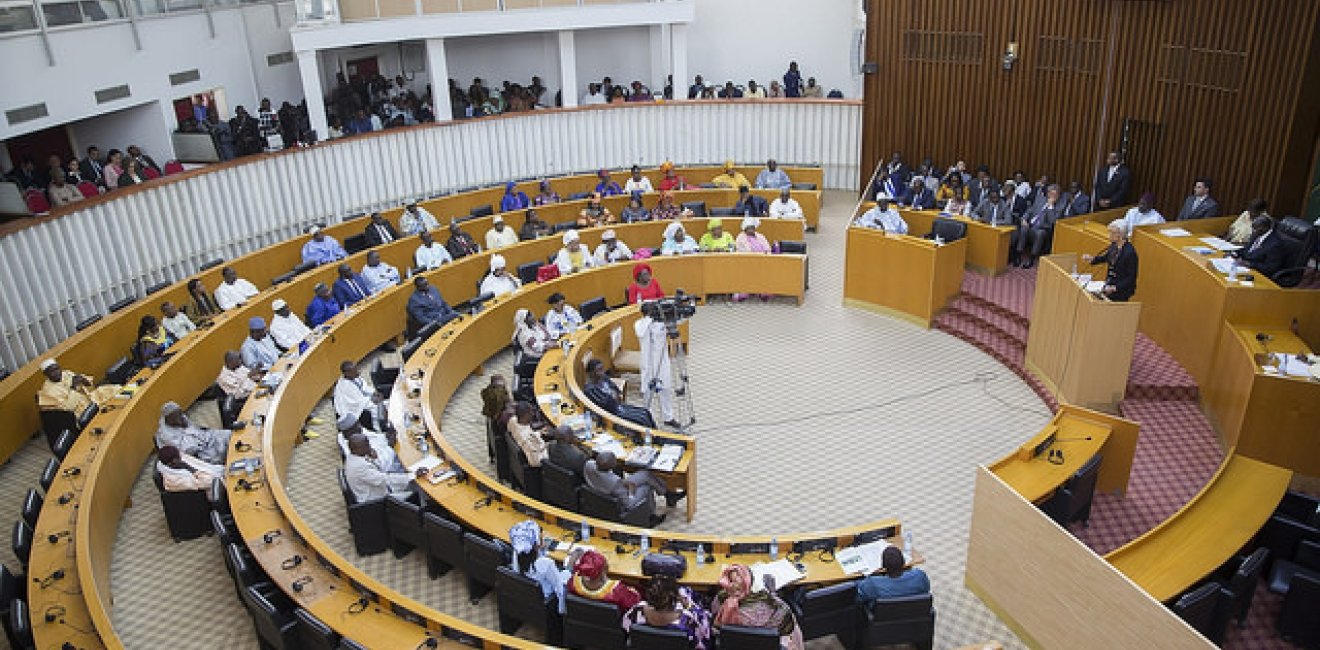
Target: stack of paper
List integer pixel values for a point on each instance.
(641, 455)
(1200, 250)
(783, 572)
(1290, 365)
(427, 462)
(1219, 244)
(668, 458)
(863, 559)
(1174, 232)
(604, 442)
(1095, 286)
(1223, 264)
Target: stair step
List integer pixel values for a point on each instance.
(992, 318)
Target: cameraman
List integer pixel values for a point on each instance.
(653, 337)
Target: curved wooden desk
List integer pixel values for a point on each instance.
(987, 245)
(900, 275)
(1079, 433)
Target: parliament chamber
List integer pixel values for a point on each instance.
(1069, 467)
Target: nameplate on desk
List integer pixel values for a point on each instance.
(1037, 446)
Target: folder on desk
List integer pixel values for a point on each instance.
(863, 559)
(784, 573)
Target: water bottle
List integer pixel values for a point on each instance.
(584, 533)
(701, 554)
(645, 543)
(774, 548)
(1232, 271)
(1074, 271)
(907, 543)
(647, 438)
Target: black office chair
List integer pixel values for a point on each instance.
(1306, 561)
(559, 486)
(1300, 507)
(187, 513)
(48, 474)
(303, 267)
(84, 324)
(482, 211)
(950, 230)
(525, 477)
(120, 371)
(909, 619)
(367, 521)
(12, 588)
(803, 186)
(1198, 608)
(1299, 243)
(62, 444)
(21, 542)
(521, 602)
(594, 503)
(32, 507)
(211, 264)
(312, 633)
(20, 626)
(222, 526)
(444, 544)
(403, 513)
(346, 643)
(482, 559)
(54, 421)
(698, 208)
(219, 497)
(562, 226)
(794, 246)
(355, 243)
(243, 569)
(592, 307)
(578, 196)
(1072, 501)
(384, 378)
(527, 272)
(742, 637)
(121, 304)
(828, 610)
(159, 286)
(1282, 535)
(1297, 621)
(592, 624)
(723, 212)
(1240, 584)
(645, 637)
(271, 616)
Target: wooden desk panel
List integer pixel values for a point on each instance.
(987, 246)
(1080, 433)
(901, 275)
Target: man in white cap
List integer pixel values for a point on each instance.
(883, 217)
(574, 256)
(259, 351)
(431, 255)
(356, 397)
(285, 327)
(176, 430)
(65, 390)
(498, 282)
(611, 249)
(381, 443)
(500, 235)
(415, 220)
(233, 291)
(378, 275)
(321, 249)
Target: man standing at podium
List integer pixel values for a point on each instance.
(1121, 256)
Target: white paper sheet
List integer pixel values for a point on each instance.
(783, 571)
(1174, 232)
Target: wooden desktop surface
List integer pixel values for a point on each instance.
(1079, 433)
(904, 276)
(987, 245)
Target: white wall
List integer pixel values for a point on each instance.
(143, 125)
(622, 53)
(506, 57)
(265, 36)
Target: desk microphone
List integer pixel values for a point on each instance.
(1071, 439)
(1264, 339)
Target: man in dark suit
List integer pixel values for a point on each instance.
(1121, 256)
(143, 160)
(1037, 226)
(897, 169)
(91, 167)
(564, 451)
(1265, 252)
(1015, 204)
(350, 288)
(993, 211)
(1112, 183)
(1199, 205)
(982, 187)
(380, 231)
(919, 197)
(1076, 201)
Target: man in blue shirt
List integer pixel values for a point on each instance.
(258, 351)
(750, 205)
(350, 288)
(896, 582)
(321, 249)
(323, 306)
(607, 186)
(772, 177)
(427, 306)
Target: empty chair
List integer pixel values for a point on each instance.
(444, 544)
(404, 517)
(742, 637)
(1299, 244)
(593, 624)
(367, 521)
(1297, 620)
(48, 474)
(62, 444)
(1072, 501)
(1302, 507)
(120, 304)
(383, 378)
(21, 542)
(521, 601)
(303, 267)
(223, 529)
(84, 324)
(1283, 535)
(796, 246)
(827, 610)
(219, 497)
(20, 626)
(592, 307)
(527, 272)
(1240, 586)
(120, 371)
(211, 264)
(723, 212)
(804, 186)
(242, 568)
(525, 477)
(32, 507)
(53, 421)
(577, 196)
(482, 559)
(1198, 607)
(645, 637)
(349, 644)
(909, 619)
(312, 633)
(559, 486)
(159, 286)
(483, 210)
(187, 513)
(698, 208)
(355, 243)
(946, 229)
(270, 610)
(11, 588)
(1306, 561)
(283, 277)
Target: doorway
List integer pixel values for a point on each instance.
(363, 69)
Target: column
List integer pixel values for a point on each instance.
(659, 42)
(568, 68)
(437, 67)
(678, 52)
(311, 83)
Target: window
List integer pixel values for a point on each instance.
(17, 17)
(84, 11)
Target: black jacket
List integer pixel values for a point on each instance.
(1122, 270)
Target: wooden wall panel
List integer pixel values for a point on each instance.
(1221, 88)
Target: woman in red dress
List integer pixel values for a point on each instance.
(644, 287)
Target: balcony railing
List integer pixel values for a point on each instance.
(354, 10)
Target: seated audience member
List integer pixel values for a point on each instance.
(144, 161)
(379, 275)
(233, 290)
(427, 306)
(883, 217)
(73, 175)
(773, 178)
(356, 396)
(530, 334)
(564, 451)
(1022, 186)
(430, 255)
(350, 288)
(61, 192)
(526, 435)
(715, 239)
(574, 256)
(1036, 193)
(416, 220)
(1076, 202)
(750, 241)
(593, 96)
(951, 187)
(534, 227)
(132, 174)
(957, 206)
(993, 211)
(982, 187)
(811, 90)
(897, 580)
(1240, 231)
(513, 199)
(635, 211)
(754, 91)
(1121, 256)
(595, 213)
(323, 306)
(667, 210)
(365, 475)
(602, 391)
(379, 231)
(547, 195)
(786, 207)
(632, 490)
(1200, 204)
(500, 235)
(591, 580)
(460, 243)
(530, 560)
(65, 390)
(176, 430)
(498, 282)
(730, 177)
(322, 249)
(285, 328)
(670, 607)
(775, 91)
(176, 323)
(677, 241)
(1016, 206)
(91, 168)
(750, 205)
(179, 474)
(890, 187)
(1144, 214)
(1265, 252)
(672, 181)
(381, 443)
(495, 396)
(114, 167)
(235, 379)
(644, 286)
(203, 304)
(562, 319)
(611, 249)
(152, 340)
(1036, 228)
(637, 183)
(607, 186)
(258, 349)
(918, 197)
(737, 603)
(730, 91)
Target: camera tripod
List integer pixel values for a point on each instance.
(683, 412)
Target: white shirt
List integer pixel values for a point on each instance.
(1135, 218)
(499, 285)
(229, 296)
(415, 225)
(499, 239)
(643, 185)
(385, 457)
(565, 263)
(889, 221)
(606, 256)
(353, 397)
(780, 209)
(592, 99)
(369, 482)
(564, 323)
(431, 257)
(179, 326)
(380, 277)
(652, 340)
(288, 331)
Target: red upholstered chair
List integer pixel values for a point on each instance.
(36, 202)
(88, 189)
(150, 173)
(173, 167)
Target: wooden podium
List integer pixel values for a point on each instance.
(903, 276)
(1080, 344)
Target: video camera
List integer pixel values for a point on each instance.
(675, 308)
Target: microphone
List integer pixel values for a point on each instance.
(1071, 439)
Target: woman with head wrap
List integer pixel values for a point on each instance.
(634, 211)
(595, 213)
(669, 606)
(671, 181)
(607, 186)
(499, 282)
(531, 336)
(666, 210)
(574, 256)
(152, 340)
(750, 241)
(591, 580)
(677, 241)
(513, 199)
(730, 177)
(738, 604)
(644, 286)
(176, 430)
(529, 559)
(547, 195)
(715, 240)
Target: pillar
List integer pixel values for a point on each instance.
(310, 72)
(437, 67)
(568, 68)
(678, 52)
